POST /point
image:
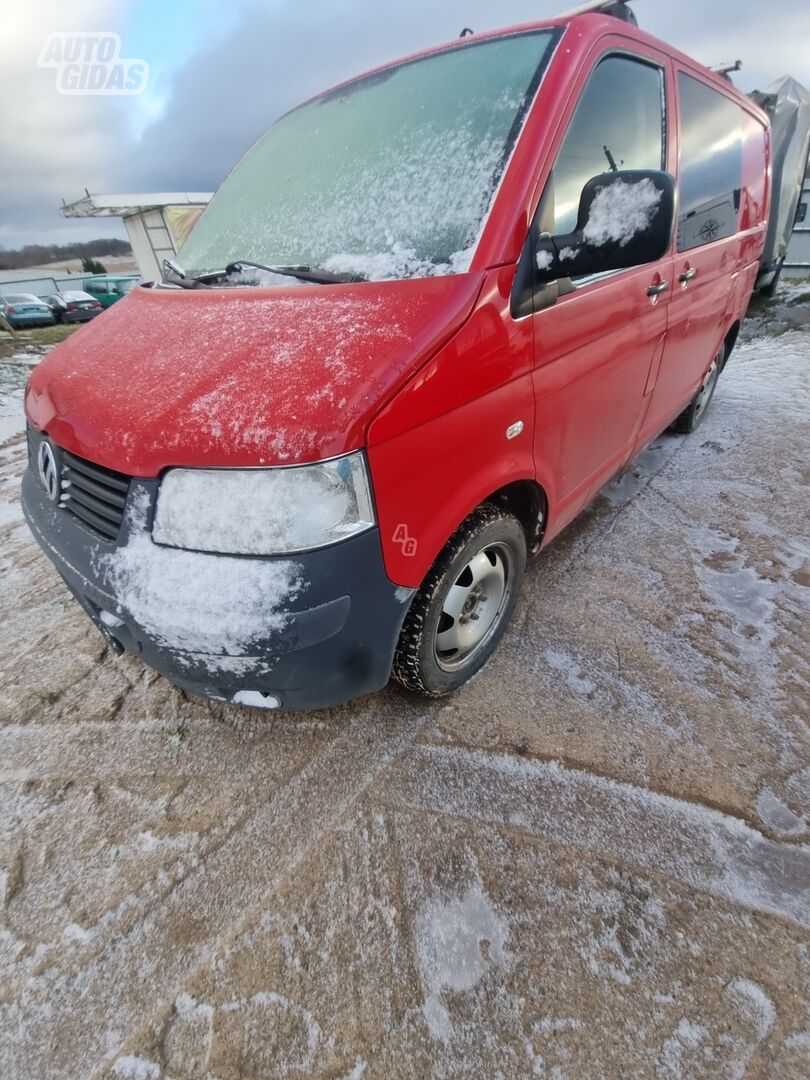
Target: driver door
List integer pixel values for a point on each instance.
(598, 340)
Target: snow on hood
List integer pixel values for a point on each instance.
(259, 376)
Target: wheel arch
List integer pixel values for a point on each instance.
(527, 501)
(730, 340)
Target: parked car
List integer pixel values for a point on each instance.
(25, 309)
(323, 448)
(76, 306)
(110, 288)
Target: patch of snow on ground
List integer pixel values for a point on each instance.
(563, 663)
(12, 387)
(752, 1001)
(777, 816)
(136, 1068)
(459, 940)
(686, 1037)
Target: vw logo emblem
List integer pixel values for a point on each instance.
(48, 472)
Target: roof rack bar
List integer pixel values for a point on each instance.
(726, 69)
(601, 5)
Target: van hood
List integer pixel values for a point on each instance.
(240, 377)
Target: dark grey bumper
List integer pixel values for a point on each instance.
(334, 641)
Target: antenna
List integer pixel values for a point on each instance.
(466, 32)
(617, 8)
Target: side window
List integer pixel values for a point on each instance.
(711, 164)
(618, 124)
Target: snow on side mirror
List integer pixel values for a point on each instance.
(625, 219)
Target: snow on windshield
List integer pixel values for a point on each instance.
(621, 210)
(387, 177)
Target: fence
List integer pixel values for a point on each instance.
(44, 286)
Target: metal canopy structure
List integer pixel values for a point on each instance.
(156, 222)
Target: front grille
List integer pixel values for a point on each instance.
(94, 495)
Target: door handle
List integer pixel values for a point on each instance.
(687, 275)
(656, 290)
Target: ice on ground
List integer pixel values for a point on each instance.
(566, 666)
(459, 940)
(777, 816)
(621, 210)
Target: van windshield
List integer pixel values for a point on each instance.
(390, 176)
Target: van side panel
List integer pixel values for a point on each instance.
(441, 446)
(713, 278)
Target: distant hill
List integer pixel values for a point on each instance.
(43, 254)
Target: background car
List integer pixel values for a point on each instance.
(25, 309)
(108, 288)
(75, 306)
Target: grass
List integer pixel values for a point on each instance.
(35, 339)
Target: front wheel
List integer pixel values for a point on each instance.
(692, 416)
(464, 605)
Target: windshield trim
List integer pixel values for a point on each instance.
(554, 30)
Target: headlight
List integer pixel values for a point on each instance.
(264, 511)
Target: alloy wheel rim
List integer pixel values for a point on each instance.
(473, 607)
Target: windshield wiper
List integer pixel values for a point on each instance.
(203, 281)
(304, 273)
(181, 278)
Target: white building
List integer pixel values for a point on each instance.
(156, 224)
(797, 260)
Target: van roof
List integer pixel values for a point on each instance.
(588, 26)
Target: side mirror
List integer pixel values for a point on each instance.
(625, 219)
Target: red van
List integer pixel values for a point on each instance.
(428, 315)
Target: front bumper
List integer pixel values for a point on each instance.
(331, 641)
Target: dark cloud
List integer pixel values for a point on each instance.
(273, 55)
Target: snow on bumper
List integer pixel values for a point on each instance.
(314, 630)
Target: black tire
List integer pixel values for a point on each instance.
(769, 291)
(421, 662)
(692, 416)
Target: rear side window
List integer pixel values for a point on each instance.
(711, 164)
(618, 124)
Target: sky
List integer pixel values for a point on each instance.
(220, 74)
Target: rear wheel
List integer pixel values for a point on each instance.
(464, 605)
(692, 416)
